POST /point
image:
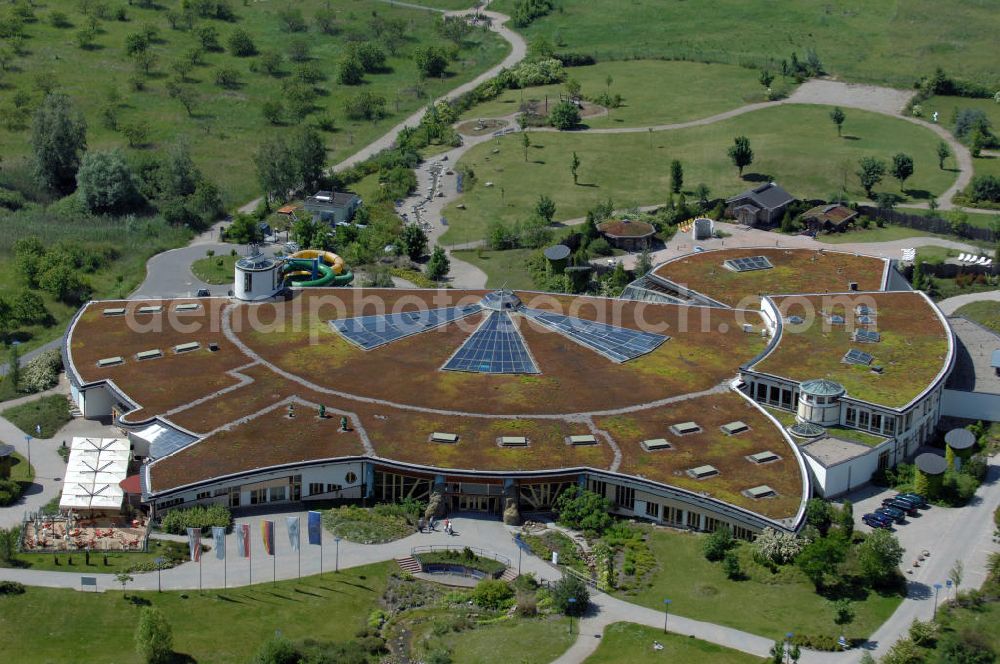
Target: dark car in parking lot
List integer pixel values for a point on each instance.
(903, 505)
(915, 498)
(877, 520)
(896, 515)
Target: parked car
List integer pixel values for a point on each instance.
(877, 521)
(896, 515)
(915, 498)
(903, 505)
(203, 292)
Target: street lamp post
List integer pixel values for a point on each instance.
(666, 614)
(937, 587)
(27, 439)
(337, 561)
(520, 550)
(572, 605)
(788, 646)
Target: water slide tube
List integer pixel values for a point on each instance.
(312, 268)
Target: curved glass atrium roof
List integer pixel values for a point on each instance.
(497, 346)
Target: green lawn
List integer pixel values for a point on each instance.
(781, 603)
(884, 42)
(628, 642)
(653, 91)
(525, 641)
(20, 471)
(215, 269)
(985, 313)
(226, 126)
(794, 145)
(52, 412)
(49, 625)
(173, 551)
(875, 234)
(501, 267)
(948, 107)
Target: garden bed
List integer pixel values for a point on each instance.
(463, 563)
(377, 525)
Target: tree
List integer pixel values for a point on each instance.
(105, 182)
(371, 56)
(208, 38)
(154, 641)
(870, 172)
(766, 78)
(308, 154)
(818, 515)
(570, 587)
(584, 510)
(985, 187)
(62, 282)
(902, 167)
(136, 133)
(740, 153)
(244, 229)
(273, 111)
(270, 62)
(838, 117)
(702, 192)
(919, 282)
(136, 42)
(574, 166)
(241, 44)
(788, 224)
(844, 611)
(438, 266)
(14, 369)
(943, 152)
(819, 559)
(572, 88)
(564, 115)
(58, 139)
(845, 518)
(275, 171)
(731, 566)
(28, 258)
(28, 308)
(718, 543)
(955, 574)
(350, 71)
(879, 556)
(431, 61)
(124, 578)
(676, 176)
(228, 77)
(413, 241)
(545, 208)
(644, 263)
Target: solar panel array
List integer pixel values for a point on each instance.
(855, 356)
(616, 343)
(748, 264)
(495, 347)
(370, 332)
(867, 336)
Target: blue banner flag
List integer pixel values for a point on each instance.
(293, 532)
(315, 526)
(219, 538)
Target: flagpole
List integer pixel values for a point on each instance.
(274, 565)
(249, 545)
(321, 554)
(199, 568)
(225, 562)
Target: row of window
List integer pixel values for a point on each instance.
(776, 396)
(870, 421)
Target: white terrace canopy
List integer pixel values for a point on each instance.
(94, 471)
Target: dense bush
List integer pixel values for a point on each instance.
(10, 492)
(492, 594)
(584, 510)
(570, 587)
(11, 588)
(177, 522)
(42, 371)
(823, 642)
(718, 543)
(985, 188)
(526, 11)
(777, 547)
(565, 115)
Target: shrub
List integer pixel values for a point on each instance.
(276, 650)
(11, 200)
(177, 522)
(105, 182)
(11, 588)
(584, 510)
(982, 188)
(777, 547)
(731, 566)
(564, 116)
(924, 634)
(240, 44)
(492, 594)
(42, 371)
(824, 642)
(601, 247)
(153, 637)
(570, 587)
(718, 543)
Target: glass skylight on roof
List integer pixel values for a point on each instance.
(795, 320)
(616, 343)
(495, 347)
(866, 320)
(370, 332)
(855, 356)
(867, 336)
(748, 264)
(836, 319)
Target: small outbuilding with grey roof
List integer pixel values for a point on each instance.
(761, 206)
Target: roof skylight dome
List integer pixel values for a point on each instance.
(502, 299)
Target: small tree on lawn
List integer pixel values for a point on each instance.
(838, 117)
(870, 172)
(525, 143)
(718, 543)
(545, 208)
(414, 241)
(439, 265)
(564, 116)
(574, 167)
(740, 153)
(676, 176)
(124, 578)
(570, 587)
(943, 152)
(955, 574)
(902, 167)
(702, 192)
(880, 555)
(154, 641)
(731, 566)
(788, 224)
(766, 78)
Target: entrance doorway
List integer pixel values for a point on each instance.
(466, 503)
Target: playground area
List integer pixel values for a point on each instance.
(314, 268)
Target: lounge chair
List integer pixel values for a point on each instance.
(961, 258)
(981, 261)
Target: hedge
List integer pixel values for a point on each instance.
(177, 522)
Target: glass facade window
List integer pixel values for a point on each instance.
(851, 417)
(653, 510)
(863, 418)
(876, 423)
(889, 426)
(625, 497)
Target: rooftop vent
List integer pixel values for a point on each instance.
(855, 356)
(763, 457)
(654, 444)
(795, 320)
(149, 310)
(513, 441)
(442, 437)
(762, 491)
(747, 264)
(188, 347)
(149, 354)
(111, 361)
(852, 285)
(685, 428)
(213, 346)
(702, 472)
(582, 440)
(116, 311)
(867, 336)
(187, 306)
(734, 428)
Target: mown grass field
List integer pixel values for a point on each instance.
(215, 269)
(50, 625)
(628, 642)
(891, 42)
(781, 603)
(526, 641)
(501, 267)
(50, 412)
(653, 92)
(985, 313)
(226, 126)
(795, 145)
